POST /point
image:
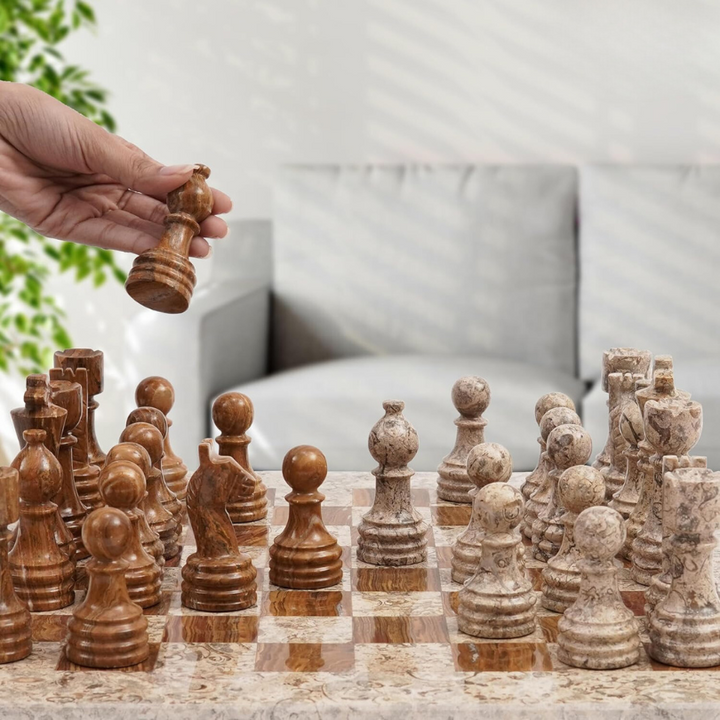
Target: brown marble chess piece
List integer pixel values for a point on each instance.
(107, 629)
(393, 531)
(486, 463)
(157, 392)
(233, 414)
(623, 361)
(149, 539)
(39, 413)
(160, 519)
(567, 445)
(535, 478)
(68, 395)
(579, 488)
(41, 572)
(217, 577)
(163, 278)
(84, 474)
(684, 628)
(498, 600)
(632, 429)
(598, 632)
(471, 397)
(305, 556)
(122, 486)
(15, 633)
(672, 427)
(539, 499)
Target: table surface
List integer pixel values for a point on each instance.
(383, 642)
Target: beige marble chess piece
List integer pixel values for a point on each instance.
(684, 628)
(545, 403)
(486, 463)
(471, 397)
(579, 488)
(598, 632)
(539, 499)
(567, 445)
(631, 428)
(498, 600)
(393, 531)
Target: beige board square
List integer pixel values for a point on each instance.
(428, 660)
(397, 603)
(446, 536)
(199, 661)
(305, 630)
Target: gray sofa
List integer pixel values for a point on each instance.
(373, 283)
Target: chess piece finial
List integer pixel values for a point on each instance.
(486, 463)
(684, 627)
(122, 485)
(598, 632)
(567, 445)
(158, 513)
(578, 488)
(538, 500)
(107, 630)
(392, 532)
(233, 414)
(41, 572)
(163, 278)
(218, 577)
(305, 556)
(498, 600)
(157, 392)
(15, 633)
(471, 397)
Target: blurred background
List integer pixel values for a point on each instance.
(422, 189)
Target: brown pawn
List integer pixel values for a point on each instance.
(137, 454)
(158, 517)
(157, 392)
(168, 498)
(15, 635)
(233, 414)
(305, 556)
(107, 630)
(163, 278)
(41, 572)
(68, 395)
(122, 485)
(39, 413)
(217, 577)
(94, 362)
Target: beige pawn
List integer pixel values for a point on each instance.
(122, 486)
(498, 600)
(486, 463)
(598, 632)
(540, 497)
(579, 488)
(567, 445)
(471, 397)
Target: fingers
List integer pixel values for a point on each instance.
(199, 247)
(221, 202)
(213, 227)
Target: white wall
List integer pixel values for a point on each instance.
(247, 85)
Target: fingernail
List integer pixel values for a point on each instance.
(209, 253)
(176, 169)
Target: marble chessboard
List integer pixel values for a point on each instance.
(382, 642)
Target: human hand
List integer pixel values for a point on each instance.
(70, 179)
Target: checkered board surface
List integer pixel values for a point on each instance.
(378, 619)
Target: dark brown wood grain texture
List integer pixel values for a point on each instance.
(305, 556)
(163, 278)
(217, 577)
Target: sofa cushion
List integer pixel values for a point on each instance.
(334, 405)
(456, 260)
(649, 253)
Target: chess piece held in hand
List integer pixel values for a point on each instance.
(598, 632)
(107, 629)
(217, 577)
(486, 463)
(498, 600)
(163, 278)
(305, 556)
(471, 397)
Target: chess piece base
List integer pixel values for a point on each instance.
(144, 585)
(43, 589)
(162, 280)
(15, 635)
(254, 508)
(685, 642)
(86, 482)
(219, 585)
(488, 615)
(646, 559)
(394, 544)
(310, 569)
(176, 480)
(453, 484)
(598, 647)
(560, 588)
(465, 560)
